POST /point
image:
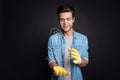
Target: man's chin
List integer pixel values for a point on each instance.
(66, 31)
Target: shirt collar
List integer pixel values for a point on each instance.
(74, 34)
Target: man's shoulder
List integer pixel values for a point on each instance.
(55, 39)
(81, 37)
(55, 36)
(78, 34)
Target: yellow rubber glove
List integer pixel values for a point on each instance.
(60, 71)
(75, 55)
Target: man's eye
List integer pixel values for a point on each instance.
(68, 19)
(61, 19)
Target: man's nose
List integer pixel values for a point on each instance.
(65, 21)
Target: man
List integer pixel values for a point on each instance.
(67, 49)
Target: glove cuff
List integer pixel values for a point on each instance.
(79, 61)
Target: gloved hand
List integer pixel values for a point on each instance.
(60, 71)
(75, 55)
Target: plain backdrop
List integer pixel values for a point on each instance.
(24, 32)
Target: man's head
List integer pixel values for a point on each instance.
(66, 16)
(65, 8)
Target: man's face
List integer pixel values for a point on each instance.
(66, 21)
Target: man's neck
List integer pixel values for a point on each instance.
(69, 33)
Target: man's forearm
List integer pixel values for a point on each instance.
(52, 64)
(83, 63)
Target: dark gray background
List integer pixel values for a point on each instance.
(25, 31)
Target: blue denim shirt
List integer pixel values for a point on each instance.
(56, 50)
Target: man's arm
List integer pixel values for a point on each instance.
(84, 59)
(83, 63)
(52, 64)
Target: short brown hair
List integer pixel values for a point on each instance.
(65, 8)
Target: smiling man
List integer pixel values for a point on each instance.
(67, 49)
